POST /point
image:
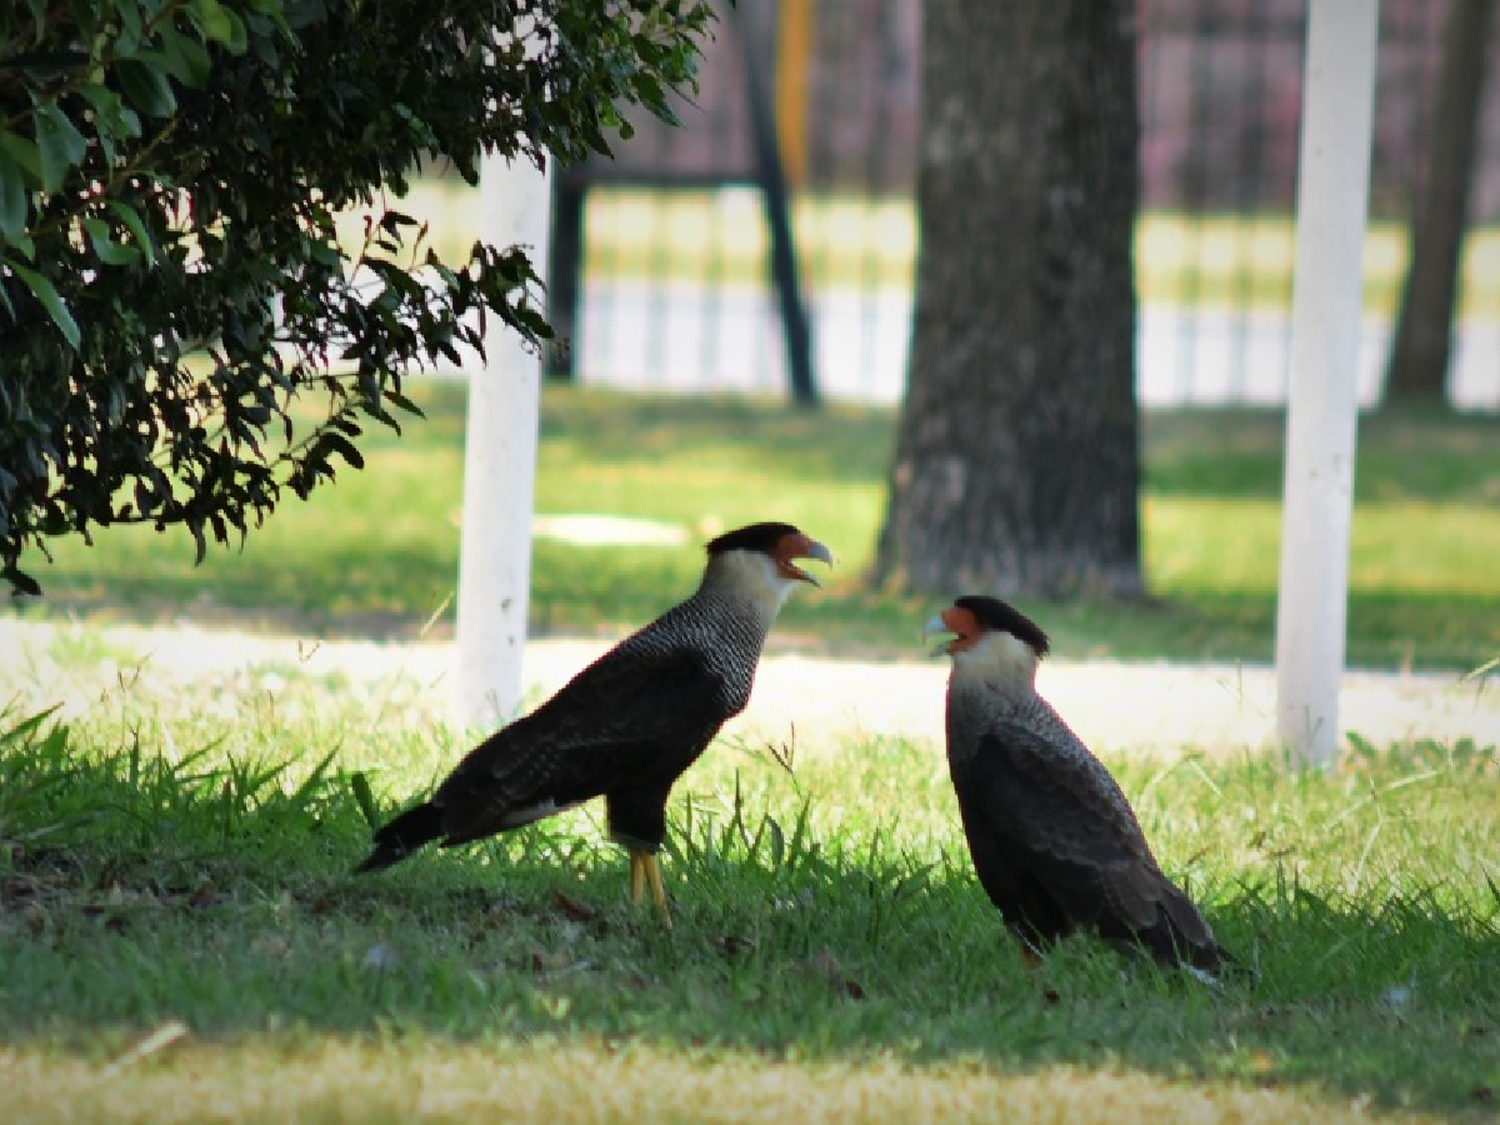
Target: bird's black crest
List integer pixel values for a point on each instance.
(995, 614)
(757, 537)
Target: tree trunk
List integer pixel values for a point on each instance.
(1418, 369)
(1016, 468)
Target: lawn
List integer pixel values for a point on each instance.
(181, 939)
(1424, 590)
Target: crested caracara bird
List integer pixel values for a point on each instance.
(1054, 841)
(630, 723)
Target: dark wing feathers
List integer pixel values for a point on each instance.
(1056, 845)
(630, 716)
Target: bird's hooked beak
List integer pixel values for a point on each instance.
(938, 624)
(961, 622)
(801, 546)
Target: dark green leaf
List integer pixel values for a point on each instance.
(147, 88)
(38, 16)
(113, 119)
(110, 252)
(60, 145)
(130, 28)
(345, 447)
(181, 56)
(51, 300)
(132, 220)
(15, 200)
(23, 151)
(24, 245)
(406, 404)
(219, 24)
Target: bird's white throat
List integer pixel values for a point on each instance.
(752, 575)
(999, 662)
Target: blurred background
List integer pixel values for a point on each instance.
(764, 254)
(658, 270)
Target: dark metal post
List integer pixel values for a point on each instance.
(564, 274)
(771, 177)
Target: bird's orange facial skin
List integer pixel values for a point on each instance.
(965, 625)
(800, 546)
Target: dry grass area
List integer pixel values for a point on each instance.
(567, 1082)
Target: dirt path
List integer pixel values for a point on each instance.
(1155, 708)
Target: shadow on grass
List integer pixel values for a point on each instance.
(134, 892)
(1393, 1002)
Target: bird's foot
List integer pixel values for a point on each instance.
(645, 872)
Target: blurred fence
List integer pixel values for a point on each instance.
(663, 274)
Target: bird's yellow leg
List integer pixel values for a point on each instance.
(658, 895)
(646, 871)
(637, 876)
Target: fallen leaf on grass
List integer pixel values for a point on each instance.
(574, 909)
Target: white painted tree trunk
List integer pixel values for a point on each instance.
(1322, 399)
(494, 565)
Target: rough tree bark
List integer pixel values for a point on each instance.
(1016, 468)
(1418, 370)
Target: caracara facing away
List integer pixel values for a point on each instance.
(630, 723)
(1054, 841)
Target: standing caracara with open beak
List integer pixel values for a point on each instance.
(630, 723)
(1054, 841)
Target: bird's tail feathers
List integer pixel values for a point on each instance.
(398, 838)
(1189, 939)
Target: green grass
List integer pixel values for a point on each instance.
(1224, 261)
(182, 940)
(1424, 587)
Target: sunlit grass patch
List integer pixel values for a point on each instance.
(556, 1079)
